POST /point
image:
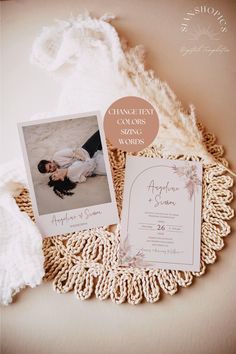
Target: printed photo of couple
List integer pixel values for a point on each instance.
(67, 164)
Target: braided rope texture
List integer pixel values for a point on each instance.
(87, 261)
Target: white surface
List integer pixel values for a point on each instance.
(200, 319)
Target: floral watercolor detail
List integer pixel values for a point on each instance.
(127, 259)
(191, 178)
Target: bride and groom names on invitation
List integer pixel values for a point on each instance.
(159, 196)
(159, 192)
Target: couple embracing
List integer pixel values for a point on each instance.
(71, 166)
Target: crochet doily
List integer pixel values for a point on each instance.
(87, 261)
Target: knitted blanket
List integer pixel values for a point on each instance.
(21, 256)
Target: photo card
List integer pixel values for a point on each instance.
(68, 170)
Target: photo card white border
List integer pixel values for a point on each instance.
(58, 223)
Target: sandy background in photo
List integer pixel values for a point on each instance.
(42, 141)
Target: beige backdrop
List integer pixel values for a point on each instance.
(201, 319)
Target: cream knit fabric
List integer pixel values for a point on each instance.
(21, 256)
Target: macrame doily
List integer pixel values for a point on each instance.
(87, 261)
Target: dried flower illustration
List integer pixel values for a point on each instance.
(191, 178)
(127, 259)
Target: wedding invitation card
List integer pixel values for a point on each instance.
(161, 215)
